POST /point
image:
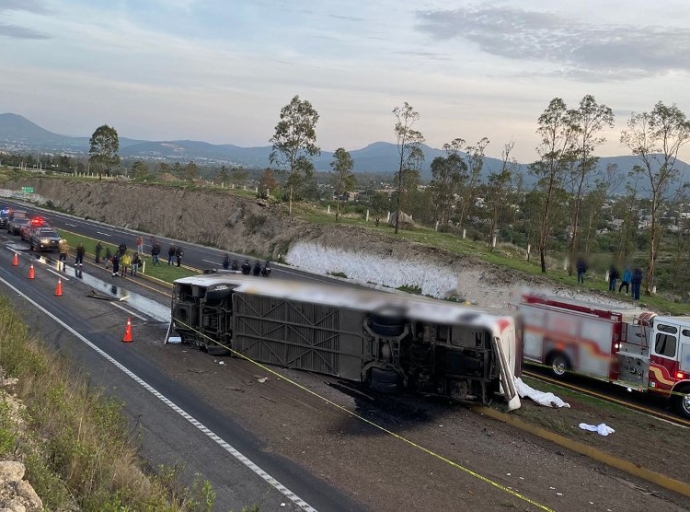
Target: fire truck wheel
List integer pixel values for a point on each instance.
(559, 363)
(682, 400)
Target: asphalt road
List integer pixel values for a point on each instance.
(196, 256)
(201, 442)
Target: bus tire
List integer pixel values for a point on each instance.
(384, 376)
(682, 401)
(391, 330)
(559, 364)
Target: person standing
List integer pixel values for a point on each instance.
(136, 260)
(614, 275)
(63, 249)
(625, 281)
(155, 253)
(99, 249)
(79, 261)
(107, 258)
(226, 262)
(171, 254)
(636, 283)
(581, 267)
(178, 255)
(116, 264)
(122, 249)
(125, 261)
(140, 245)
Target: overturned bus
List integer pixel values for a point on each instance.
(387, 340)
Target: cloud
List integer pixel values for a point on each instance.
(17, 32)
(35, 6)
(580, 50)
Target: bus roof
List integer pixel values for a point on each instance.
(412, 307)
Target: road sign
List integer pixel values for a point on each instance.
(28, 190)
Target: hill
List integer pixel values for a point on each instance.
(21, 135)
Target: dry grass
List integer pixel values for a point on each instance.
(75, 442)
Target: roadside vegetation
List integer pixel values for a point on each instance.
(74, 441)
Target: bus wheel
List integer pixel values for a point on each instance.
(559, 364)
(682, 401)
(384, 381)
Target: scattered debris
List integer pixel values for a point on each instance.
(602, 429)
(540, 397)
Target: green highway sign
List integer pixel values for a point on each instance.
(28, 190)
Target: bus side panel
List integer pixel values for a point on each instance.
(293, 334)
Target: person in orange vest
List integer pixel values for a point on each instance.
(140, 245)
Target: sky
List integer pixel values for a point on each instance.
(220, 71)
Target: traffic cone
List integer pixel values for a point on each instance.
(15, 260)
(128, 332)
(31, 271)
(58, 289)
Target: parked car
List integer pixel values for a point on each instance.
(44, 239)
(40, 222)
(15, 225)
(4, 216)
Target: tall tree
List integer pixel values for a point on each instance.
(589, 119)
(267, 183)
(294, 143)
(555, 151)
(222, 177)
(498, 186)
(474, 156)
(238, 176)
(191, 171)
(104, 146)
(140, 170)
(447, 173)
(343, 179)
(656, 137)
(409, 142)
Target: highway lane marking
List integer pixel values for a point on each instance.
(301, 504)
(70, 225)
(129, 312)
(100, 233)
(399, 437)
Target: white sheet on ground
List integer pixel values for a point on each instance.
(602, 428)
(540, 397)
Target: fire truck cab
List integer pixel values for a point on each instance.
(627, 346)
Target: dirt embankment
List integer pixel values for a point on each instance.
(224, 220)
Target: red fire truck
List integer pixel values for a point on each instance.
(626, 346)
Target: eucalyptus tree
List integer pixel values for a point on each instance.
(656, 137)
(409, 142)
(294, 143)
(588, 120)
(104, 146)
(498, 186)
(447, 172)
(343, 179)
(556, 150)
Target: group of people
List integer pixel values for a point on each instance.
(246, 267)
(631, 280)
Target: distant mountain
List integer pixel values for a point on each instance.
(19, 134)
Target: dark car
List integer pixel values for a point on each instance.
(44, 239)
(15, 225)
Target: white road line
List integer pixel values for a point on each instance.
(57, 273)
(303, 505)
(129, 312)
(70, 225)
(101, 233)
(209, 261)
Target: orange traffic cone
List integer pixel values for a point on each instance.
(128, 332)
(58, 289)
(15, 260)
(31, 271)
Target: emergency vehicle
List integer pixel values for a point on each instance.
(630, 347)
